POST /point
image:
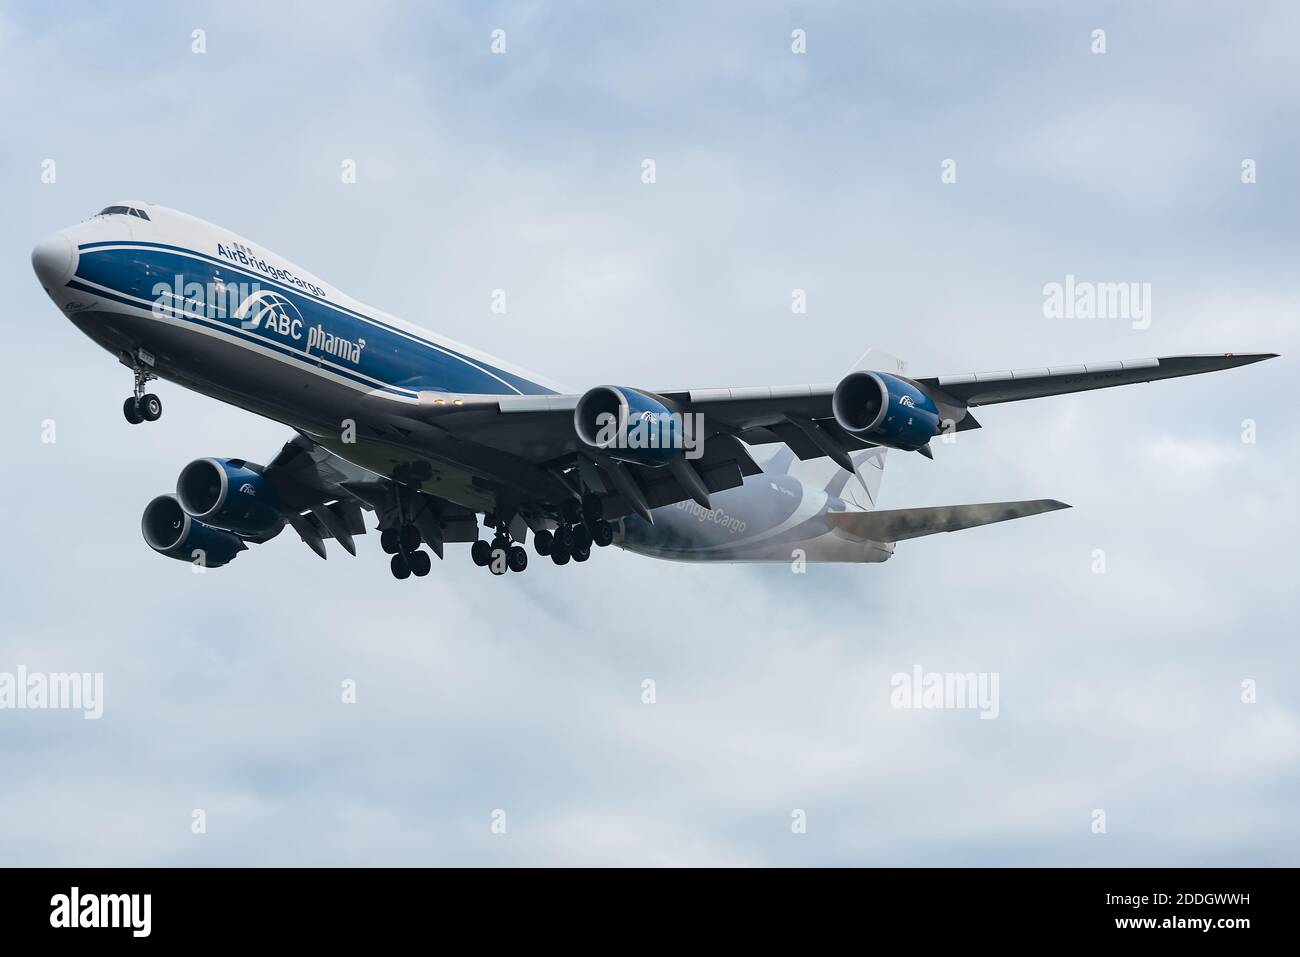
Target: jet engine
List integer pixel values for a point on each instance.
(230, 494)
(628, 425)
(169, 531)
(886, 410)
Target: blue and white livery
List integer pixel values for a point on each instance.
(439, 440)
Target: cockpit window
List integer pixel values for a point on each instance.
(123, 211)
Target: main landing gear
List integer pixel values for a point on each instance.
(408, 558)
(142, 406)
(581, 528)
(501, 555)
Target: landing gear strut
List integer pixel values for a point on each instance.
(581, 526)
(408, 558)
(502, 554)
(402, 538)
(142, 406)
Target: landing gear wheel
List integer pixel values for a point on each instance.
(602, 534)
(481, 552)
(141, 407)
(543, 542)
(581, 538)
(518, 559)
(592, 507)
(420, 563)
(564, 537)
(401, 571)
(581, 554)
(560, 556)
(409, 537)
(499, 562)
(388, 541)
(571, 510)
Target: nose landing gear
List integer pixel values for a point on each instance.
(142, 406)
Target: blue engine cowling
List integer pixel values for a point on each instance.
(229, 494)
(628, 425)
(886, 410)
(169, 531)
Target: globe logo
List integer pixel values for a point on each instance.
(278, 312)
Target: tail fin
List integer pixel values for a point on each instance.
(862, 493)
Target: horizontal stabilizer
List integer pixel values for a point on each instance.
(899, 524)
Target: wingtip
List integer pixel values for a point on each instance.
(1050, 504)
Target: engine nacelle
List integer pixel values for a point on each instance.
(886, 410)
(628, 425)
(169, 531)
(228, 494)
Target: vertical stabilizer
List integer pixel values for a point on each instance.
(825, 474)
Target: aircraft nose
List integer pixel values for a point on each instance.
(54, 260)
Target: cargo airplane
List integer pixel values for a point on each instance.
(439, 440)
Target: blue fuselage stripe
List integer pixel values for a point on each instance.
(342, 340)
(237, 333)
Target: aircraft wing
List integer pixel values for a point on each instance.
(322, 496)
(325, 496)
(987, 388)
(539, 428)
(523, 459)
(538, 431)
(313, 484)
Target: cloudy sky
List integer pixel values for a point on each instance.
(1120, 691)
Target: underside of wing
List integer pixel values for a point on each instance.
(533, 450)
(312, 487)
